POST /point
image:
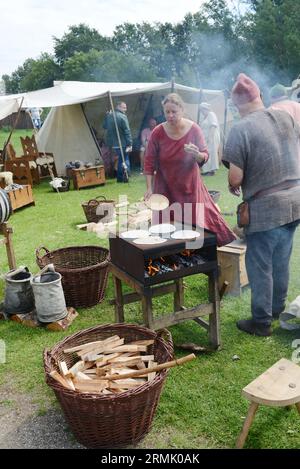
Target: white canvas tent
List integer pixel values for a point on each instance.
(78, 110)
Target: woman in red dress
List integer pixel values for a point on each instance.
(174, 153)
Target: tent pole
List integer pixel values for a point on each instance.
(118, 137)
(172, 85)
(11, 132)
(91, 130)
(226, 96)
(200, 95)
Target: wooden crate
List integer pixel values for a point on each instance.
(231, 260)
(84, 177)
(21, 197)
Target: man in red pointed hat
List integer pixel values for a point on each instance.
(262, 156)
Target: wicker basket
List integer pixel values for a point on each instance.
(84, 271)
(107, 421)
(105, 208)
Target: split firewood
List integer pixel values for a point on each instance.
(79, 366)
(125, 383)
(143, 342)
(90, 344)
(100, 350)
(63, 381)
(83, 376)
(110, 366)
(106, 358)
(63, 368)
(151, 375)
(91, 385)
(127, 348)
(141, 365)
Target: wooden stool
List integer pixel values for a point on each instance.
(7, 231)
(279, 386)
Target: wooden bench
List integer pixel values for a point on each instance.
(278, 386)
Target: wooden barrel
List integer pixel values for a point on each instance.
(5, 206)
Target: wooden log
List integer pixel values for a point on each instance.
(160, 367)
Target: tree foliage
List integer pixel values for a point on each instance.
(208, 49)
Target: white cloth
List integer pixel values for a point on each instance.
(209, 123)
(7, 176)
(293, 312)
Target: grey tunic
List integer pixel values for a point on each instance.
(264, 144)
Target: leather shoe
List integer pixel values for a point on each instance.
(254, 328)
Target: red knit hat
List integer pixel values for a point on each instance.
(244, 90)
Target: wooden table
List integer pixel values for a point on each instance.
(180, 314)
(84, 177)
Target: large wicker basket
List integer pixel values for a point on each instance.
(117, 420)
(96, 210)
(84, 271)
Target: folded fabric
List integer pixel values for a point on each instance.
(293, 312)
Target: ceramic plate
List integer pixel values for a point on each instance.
(185, 234)
(133, 234)
(150, 240)
(157, 202)
(163, 228)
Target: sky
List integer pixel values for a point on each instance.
(29, 26)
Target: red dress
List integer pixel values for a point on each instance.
(178, 178)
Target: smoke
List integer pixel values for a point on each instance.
(217, 61)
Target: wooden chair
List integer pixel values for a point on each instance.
(7, 231)
(44, 160)
(24, 168)
(278, 386)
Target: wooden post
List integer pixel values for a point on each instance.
(119, 305)
(7, 233)
(147, 310)
(214, 317)
(178, 295)
(247, 424)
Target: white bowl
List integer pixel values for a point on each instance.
(133, 234)
(163, 228)
(150, 240)
(185, 234)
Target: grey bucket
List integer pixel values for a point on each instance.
(18, 292)
(49, 297)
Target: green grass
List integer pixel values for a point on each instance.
(201, 404)
(15, 138)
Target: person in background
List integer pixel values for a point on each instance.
(145, 135)
(175, 151)
(210, 126)
(35, 114)
(261, 153)
(112, 140)
(280, 101)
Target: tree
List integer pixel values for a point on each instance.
(41, 73)
(107, 66)
(273, 33)
(13, 82)
(80, 38)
